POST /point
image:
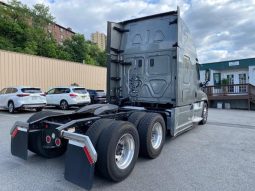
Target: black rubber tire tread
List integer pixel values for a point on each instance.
(32, 141)
(13, 107)
(47, 153)
(106, 164)
(41, 115)
(204, 120)
(144, 130)
(136, 117)
(97, 128)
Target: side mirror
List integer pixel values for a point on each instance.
(207, 75)
(45, 93)
(201, 85)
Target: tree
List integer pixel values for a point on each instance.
(41, 16)
(75, 47)
(24, 29)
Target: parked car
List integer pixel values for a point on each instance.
(65, 97)
(18, 98)
(97, 96)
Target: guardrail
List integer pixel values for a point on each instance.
(232, 91)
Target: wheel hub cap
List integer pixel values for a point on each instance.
(156, 135)
(11, 107)
(124, 151)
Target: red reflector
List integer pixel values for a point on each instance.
(72, 95)
(88, 155)
(57, 142)
(14, 133)
(23, 95)
(48, 139)
(46, 125)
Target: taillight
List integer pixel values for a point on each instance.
(72, 95)
(48, 139)
(57, 142)
(23, 95)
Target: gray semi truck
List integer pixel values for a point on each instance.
(152, 88)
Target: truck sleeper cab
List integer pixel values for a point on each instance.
(152, 88)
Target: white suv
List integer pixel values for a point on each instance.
(65, 97)
(17, 98)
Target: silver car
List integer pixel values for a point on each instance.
(18, 98)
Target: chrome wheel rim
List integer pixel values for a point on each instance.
(124, 151)
(63, 105)
(11, 107)
(156, 135)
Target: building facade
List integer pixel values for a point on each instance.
(232, 83)
(59, 33)
(99, 39)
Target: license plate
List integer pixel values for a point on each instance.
(34, 98)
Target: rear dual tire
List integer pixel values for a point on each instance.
(152, 132)
(36, 140)
(117, 145)
(36, 146)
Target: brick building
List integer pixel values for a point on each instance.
(58, 32)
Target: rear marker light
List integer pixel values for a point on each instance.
(88, 155)
(48, 139)
(14, 133)
(57, 142)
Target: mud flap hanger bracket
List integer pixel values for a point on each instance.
(79, 139)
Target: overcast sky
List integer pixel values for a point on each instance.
(222, 29)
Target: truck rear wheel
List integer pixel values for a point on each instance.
(136, 117)
(152, 132)
(118, 149)
(36, 145)
(97, 128)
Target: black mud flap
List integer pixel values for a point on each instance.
(19, 139)
(79, 166)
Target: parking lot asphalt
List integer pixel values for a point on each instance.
(217, 156)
